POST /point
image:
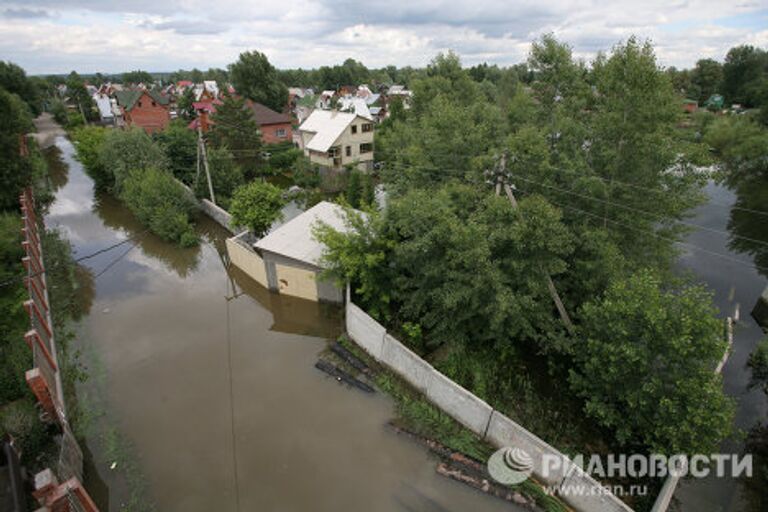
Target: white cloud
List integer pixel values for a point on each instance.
(47, 36)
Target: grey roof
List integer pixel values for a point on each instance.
(294, 239)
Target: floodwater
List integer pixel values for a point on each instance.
(733, 275)
(202, 387)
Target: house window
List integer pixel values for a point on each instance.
(154, 104)
(354, 129)
(139, 103)
(366, 148)
(333, 152)
(280, 132)
(367, 127)
(349, 150)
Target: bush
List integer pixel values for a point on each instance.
(20, 419)
(59, 111)
(88, 143)
(256, 206)
(179, 144)
(124, 151)
(161, 204)
(226, 176)
(15, 357)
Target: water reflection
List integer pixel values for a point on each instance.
(182, 261)
(748, 222)
(289, 314)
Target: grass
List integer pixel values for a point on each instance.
(418, 415)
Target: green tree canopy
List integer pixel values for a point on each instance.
(646, 367)
(255, 78)
(235, 128)
(257, 206)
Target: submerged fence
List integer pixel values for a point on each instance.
(44, 379)
(475, 414)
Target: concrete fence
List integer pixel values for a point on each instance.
(214, 211)
(491, 425)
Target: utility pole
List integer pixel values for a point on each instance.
(201, 146)
(501, 175)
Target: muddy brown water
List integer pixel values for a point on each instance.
(203, 387)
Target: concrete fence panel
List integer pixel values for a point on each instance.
(365, 331)
(410, 366)
(502, 431)
(247, 260)
(459, 403)
(217, 213)
(583, 492)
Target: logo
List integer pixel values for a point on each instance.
(510, 466)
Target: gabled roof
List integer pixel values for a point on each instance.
(355, 105)
(128, 99)
(295, 240)
(265, 115)
(327, 125)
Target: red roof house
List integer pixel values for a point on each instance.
(275, 127)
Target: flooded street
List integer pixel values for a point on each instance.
(737, 284)
(202, 389)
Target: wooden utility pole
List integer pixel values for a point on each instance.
(501, 177)
(201, 146)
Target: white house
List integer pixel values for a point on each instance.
(334, 139)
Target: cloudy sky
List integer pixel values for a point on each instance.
(56, 36)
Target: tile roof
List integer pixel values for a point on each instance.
(265, 115)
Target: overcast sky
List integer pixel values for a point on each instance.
(56, 36)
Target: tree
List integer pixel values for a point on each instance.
(226, 176)
(633, 144)
(257, 206)
(235, 128)
(79, 96)
(161, 204)
(124, 151)
(14, 79)
(138, 77)
(707, 77)
(186, 109)
(354, 188)
(16, 170)
(648, 360)
(179, 144)
(745, 75)
(88, 144)
(255, 78)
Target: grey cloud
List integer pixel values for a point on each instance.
(187, 27)
(23, 13)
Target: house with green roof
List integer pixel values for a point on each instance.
(148, 110)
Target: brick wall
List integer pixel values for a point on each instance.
(270, 133)
(148, 114)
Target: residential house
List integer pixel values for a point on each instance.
(334, 139)
(355, 105)
(105, 105)
(145, 109)
(289, 259)
(274, 126)
(325, 100)
(399, 91)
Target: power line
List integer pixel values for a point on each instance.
(657, 235)
(630, 208)
(644, 212)
(401, 165)
(13, 280)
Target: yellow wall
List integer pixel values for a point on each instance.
(247, 261)
(296, 282)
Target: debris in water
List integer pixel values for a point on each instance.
(342, 376)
